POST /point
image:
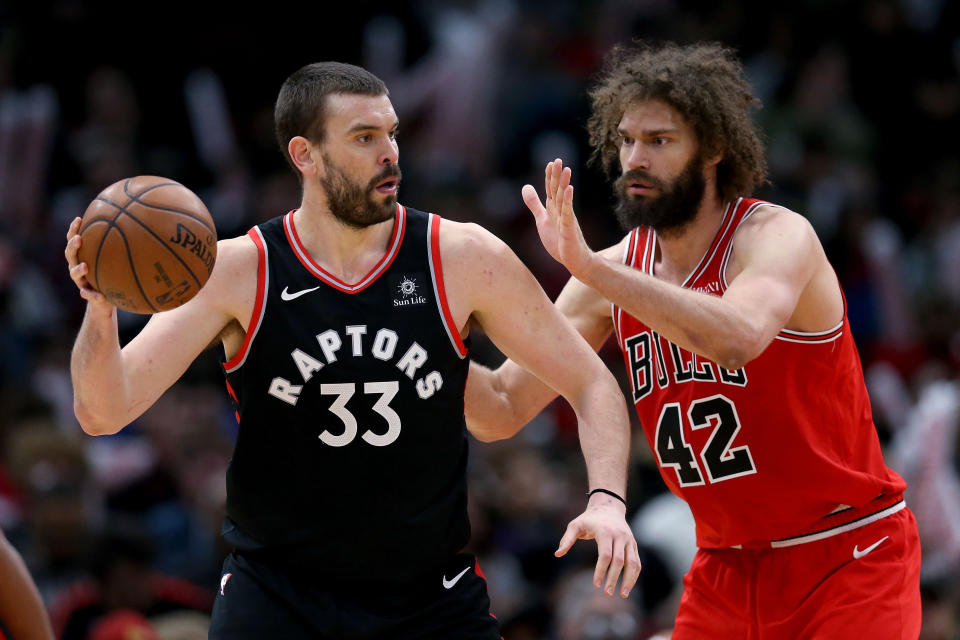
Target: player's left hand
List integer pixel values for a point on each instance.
(604, 522)
(556, 222)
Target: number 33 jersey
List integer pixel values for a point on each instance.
(764, 452)
(351, 451)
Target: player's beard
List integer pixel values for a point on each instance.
(671, 210)
(355, 205)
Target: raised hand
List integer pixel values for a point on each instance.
(556, 222)
(616, 546)
(79, 270)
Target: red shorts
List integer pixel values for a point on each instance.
(862, 583)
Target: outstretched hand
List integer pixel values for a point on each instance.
(556, 222)
(616, 546)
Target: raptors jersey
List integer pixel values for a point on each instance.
(766, 452)
(351, 453)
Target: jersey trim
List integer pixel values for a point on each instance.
(726, 256)
(439, 291)
(649, 252)
(801, 337)
(707, 257)
(628, 256)
(850, 526)
(399, 226)
(263, 281)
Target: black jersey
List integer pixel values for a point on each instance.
(352, 449)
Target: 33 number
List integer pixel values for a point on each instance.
(345, 391)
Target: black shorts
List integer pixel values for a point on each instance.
(257, 600)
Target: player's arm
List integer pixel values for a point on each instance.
(490, 284)
(21, 608)
(113, 386)
(776, 254)
(500, 402)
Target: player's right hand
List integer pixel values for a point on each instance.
(79, 270)
(556, 222)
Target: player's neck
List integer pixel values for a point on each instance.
(679, 253)
(346, 252)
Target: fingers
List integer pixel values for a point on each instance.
(79, 270)
(532, 200)
(70, 252)
(605, 554)
(562, 181)
(631, 570)
(566, 208)
(616, 566)
(569, 537)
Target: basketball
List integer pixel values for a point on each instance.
(149, 244)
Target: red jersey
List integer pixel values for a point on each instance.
(766, 452)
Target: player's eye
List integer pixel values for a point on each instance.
(660, 141)
(626, 141)
(394, 134)
(363, 139)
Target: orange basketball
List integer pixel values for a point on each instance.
(149, 244)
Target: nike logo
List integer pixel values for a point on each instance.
(448, 584)
(223, 582)
(857, 554)
(286, 296)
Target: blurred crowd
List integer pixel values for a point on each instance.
(861, 116)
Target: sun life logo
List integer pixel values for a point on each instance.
(408, 292)
(407, 287)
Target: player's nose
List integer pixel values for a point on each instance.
(389, 154)
(637, 158)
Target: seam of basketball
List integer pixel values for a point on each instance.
(163, 243)
(136, 278)
(135, 197)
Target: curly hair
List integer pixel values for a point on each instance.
(705, 84)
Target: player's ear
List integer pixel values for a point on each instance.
(714, 157)
(301, 152)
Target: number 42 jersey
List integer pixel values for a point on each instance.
(351, 451)
(766, 452)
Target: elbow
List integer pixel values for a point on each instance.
(490, 432)
(92, 424)
(738, 354)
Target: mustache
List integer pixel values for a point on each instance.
(638, 175)
(390, 171)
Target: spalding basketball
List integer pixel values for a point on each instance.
(149, 244)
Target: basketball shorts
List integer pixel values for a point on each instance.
(861, 583)
(258, 600)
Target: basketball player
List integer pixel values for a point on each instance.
(21, 610)
(743, 370)
(345, 328)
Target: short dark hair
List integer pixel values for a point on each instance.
(705, 84)
(301, 105)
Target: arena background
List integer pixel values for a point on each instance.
(861, 115)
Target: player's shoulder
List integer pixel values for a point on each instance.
(237, 258)
(237, 250)
(469, 241)
(769, 222)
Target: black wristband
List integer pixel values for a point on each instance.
(608, 492)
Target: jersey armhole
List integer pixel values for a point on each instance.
(439, 291)
(259, 305)
(629, 253)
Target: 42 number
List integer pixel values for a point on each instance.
(718, 457)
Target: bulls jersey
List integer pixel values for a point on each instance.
(351, 452)
(765, 452)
